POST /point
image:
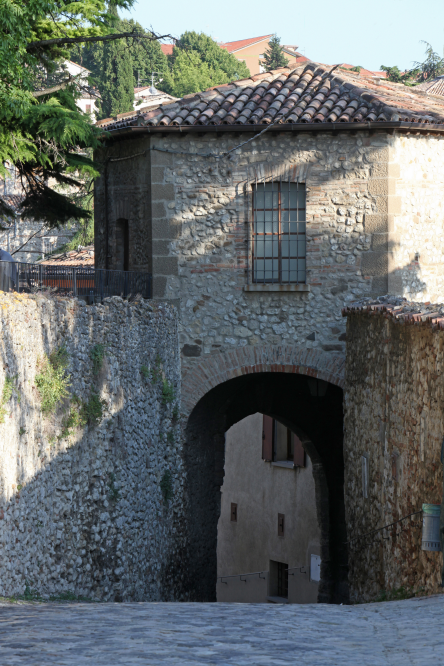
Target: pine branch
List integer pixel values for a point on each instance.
(33, 46)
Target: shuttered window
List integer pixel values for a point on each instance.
(279, 246)
(275, 448)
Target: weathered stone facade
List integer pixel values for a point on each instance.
(190, 223)
(84, 511)
(394, 416)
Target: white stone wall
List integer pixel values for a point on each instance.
(417, 241)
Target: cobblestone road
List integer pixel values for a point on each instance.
(404, 632)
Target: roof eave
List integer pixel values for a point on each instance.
(422, 128)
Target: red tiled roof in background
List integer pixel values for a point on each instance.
(167, 49)
(433, 87)
(365, 73)
(242, 43)
(84, 256)
(310, 93)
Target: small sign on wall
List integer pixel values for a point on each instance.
(430, 527)
(315, 568)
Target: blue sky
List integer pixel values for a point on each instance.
(370, 34)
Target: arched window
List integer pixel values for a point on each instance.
(122, 245)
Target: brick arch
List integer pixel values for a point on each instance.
(218, 368)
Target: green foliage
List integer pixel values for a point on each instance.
(33, 595)
(97, 354)
(19, 487)
(198, 63)
(71, 421)
(52, 381)
(91, 412)
(399, 594)
(175, 414)
(8, 388)
(22, 431)
(274, 56)
(117, 80)
(145, 372)
(44, 134)
(168, 394)
(156, 372)
(432, 66)
(113, 492)
(170, 437)
(396, 76)
(166, 486)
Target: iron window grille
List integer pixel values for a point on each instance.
(279, 233)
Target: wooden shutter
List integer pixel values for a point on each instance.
(299, 452)
(267, 438)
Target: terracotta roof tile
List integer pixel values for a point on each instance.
(84, 256)
(242, 43)
(311, 93)
(434, 87)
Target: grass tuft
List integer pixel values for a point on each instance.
(52, 381)
(166, 486)
(97, 354)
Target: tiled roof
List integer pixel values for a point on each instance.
(84, 256)
(400, 310)
(310, 93)
(366, 73)
(434, 87)
(167, 49)
(242, 43)
(13, 200)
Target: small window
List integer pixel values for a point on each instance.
(279, 233)
(233, 517)
(281, 524)
(364, 463)
(286, 445)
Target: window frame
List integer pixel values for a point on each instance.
(279, 184)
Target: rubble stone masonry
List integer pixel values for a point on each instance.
(394, 416)
(82, 509)
(190, 224)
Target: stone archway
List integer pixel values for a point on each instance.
(221, 391)
(218, 368)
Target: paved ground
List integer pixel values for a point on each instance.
(402, 632)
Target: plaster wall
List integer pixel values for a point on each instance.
(261, 490)
(394, 406)
(81, 507)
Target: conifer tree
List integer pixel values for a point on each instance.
(274, 56)
(117, 80)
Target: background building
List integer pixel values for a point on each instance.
(268, 522)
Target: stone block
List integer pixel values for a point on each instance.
(159, 286)
(157, 175)
(377, 155)
(162, 229)
(380, 242)
(161, 247)
(191, 350)
(161, 159)
(379, 286)
(165, 266)
(381, 187)
(374, 263)
(162, 192)
(158, 209)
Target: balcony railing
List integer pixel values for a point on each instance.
(91, 284)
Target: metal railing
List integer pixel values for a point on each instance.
(92, 284)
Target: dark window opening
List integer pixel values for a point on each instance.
(122, 245)
(279, 240)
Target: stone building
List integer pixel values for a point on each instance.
(261, 208)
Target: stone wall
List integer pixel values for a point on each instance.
(189, 217)
(394, 415)
(82, 508)
(416, 239)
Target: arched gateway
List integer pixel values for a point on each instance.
(225, 388)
